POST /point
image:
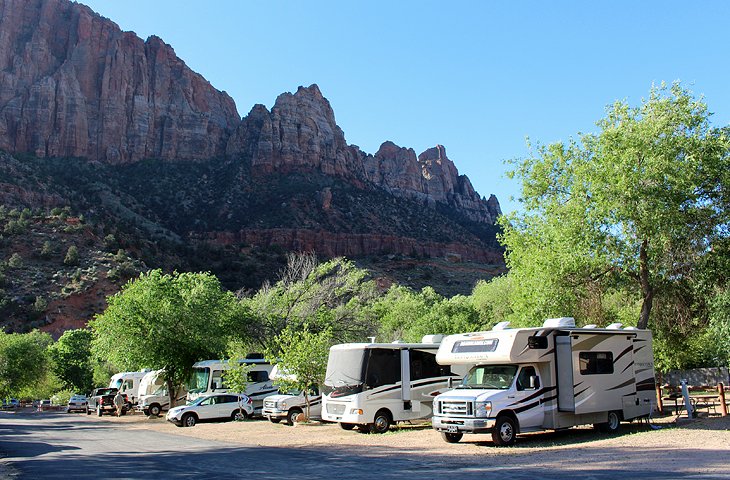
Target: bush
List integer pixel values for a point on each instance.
(72, 256)
(16, 261)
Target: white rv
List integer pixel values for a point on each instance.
(554, 377)
(208, 378)
(128, 383)
(363, 386)
(153, 394)
(288, 404)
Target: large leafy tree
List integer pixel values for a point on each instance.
(633, 207)
(72, 362)
(165, 321)
(24, 362)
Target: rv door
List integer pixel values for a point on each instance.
(564, 373)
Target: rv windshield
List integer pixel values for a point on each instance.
(199, 380)
(497, 377)
(344, 367)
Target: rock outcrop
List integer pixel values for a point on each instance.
(72, 84)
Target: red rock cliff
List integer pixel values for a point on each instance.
(73, 84)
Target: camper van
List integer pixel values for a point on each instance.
(153, 394)
(208, 378)
(288, 404)
(128, 384)
(374, 385)
(554, 377)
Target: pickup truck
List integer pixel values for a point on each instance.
(102, 400)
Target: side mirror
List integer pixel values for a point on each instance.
(534, 382)
(450, 382)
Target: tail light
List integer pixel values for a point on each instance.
(248, 400)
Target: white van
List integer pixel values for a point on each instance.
(364, 384)
(553, 377)
(128, 384)
(208, 378)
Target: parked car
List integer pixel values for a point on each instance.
(102, 400)
(44, 405)
(11, 403)
(210, 407)
(77, 403)
(288, 405)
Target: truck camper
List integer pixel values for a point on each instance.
(153, 395)
(374, 385)
(128, 384)
(288, 404)
(208, 378)
(548, 378)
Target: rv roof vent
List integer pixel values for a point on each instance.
(630, 328)
(614, 326)
(591, 325)
(501, 326)
(397, 341)
(255, 356)
(432, 339)
(559, 322)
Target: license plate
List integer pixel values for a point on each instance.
(452, 429)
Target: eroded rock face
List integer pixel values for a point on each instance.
(73, 84)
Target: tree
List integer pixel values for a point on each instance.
(301, 356)
(15, 261)
(236, 377)
(634, 206)
(165, 321)
(330, 295)
(24, 361)
(72, 256)
(71, 355)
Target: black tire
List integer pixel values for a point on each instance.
(505, 431)
(155, 410)
(188, 420)
(99, 412)
(365, 428)
(239, 416)
(88, 412)
(347, 426)
(124, 411)
(382, 422)
(612, 425)
(451, 437)
(292, 415)
(274, 419)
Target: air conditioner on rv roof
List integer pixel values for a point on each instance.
(559, 322)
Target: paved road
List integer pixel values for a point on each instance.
(70, 447)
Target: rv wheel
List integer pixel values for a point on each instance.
(155, 410)
(505, 431)
(382, 422)
(612, 425)
(451, 437)
(347, 426)
(291, 417)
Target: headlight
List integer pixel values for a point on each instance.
(283, 405)
(483, 409)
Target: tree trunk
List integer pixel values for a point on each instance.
(171, 393)
(646, 289)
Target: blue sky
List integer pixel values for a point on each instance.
(477, 77)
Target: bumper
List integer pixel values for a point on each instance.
(345, 418)
(273, 413)
(465, 425)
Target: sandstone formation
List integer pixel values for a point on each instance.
(72, 84)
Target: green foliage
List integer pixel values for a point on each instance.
(165, 321)
(236, 376)
(62, 397)
(72, 256)
(492, 300)
(46, 250)
(15, 261)
(72, 363)
(301, 356)
(332, 295)
(24, 361)
(628, 208)
(718, 334)
(40, 305)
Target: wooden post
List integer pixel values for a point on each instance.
(721, 394)
(659, 402)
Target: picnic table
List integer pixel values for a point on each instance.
(697, 401)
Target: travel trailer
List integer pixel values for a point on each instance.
(153, 394)
(363, 386)
(287, 405)
(208, 378)
(553, 377)
(128, 384)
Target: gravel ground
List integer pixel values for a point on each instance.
(674, 445)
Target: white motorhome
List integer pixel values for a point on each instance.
(208, 378)
(153, 394)
(363, 386)
(554, 377)
(128, 383)
(287, 405)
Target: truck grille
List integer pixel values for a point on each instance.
(456, 407)
(335, 408)
(269, 404)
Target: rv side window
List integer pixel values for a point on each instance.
(217, 381)
(258, 376)
(383, 367)
(596, 363)
(423, 365)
